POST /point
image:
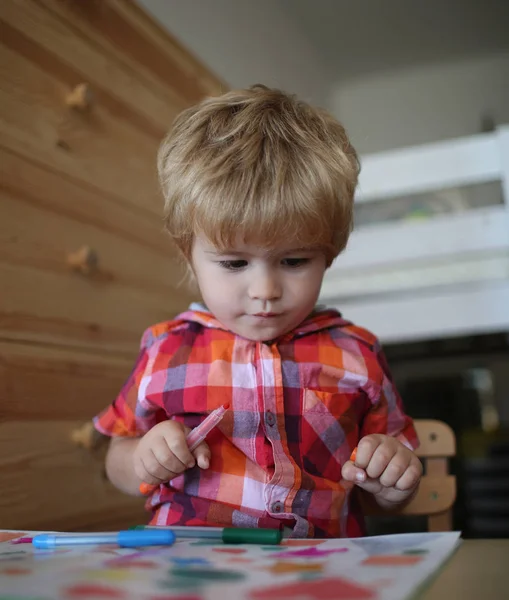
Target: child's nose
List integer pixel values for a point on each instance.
(265, 286)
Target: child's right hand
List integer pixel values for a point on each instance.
(162, 453)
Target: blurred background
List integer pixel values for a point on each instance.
(87, 90)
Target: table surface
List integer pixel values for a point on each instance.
(478, 569)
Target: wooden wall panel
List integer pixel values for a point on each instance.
(124, 32)
(42, 239)
(112, 316)
(31, 182)
(40, 383)
(133, 286)
(99, 147)
(71, 178)
(49, 483)
(63, 51)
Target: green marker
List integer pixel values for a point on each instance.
(228, 535)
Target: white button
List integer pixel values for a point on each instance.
(270, 418)
(277, 507)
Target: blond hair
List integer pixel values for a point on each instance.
(261, 164)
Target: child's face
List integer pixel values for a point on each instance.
(257, 293)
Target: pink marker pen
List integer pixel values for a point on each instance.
(196, 437)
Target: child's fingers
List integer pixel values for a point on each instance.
(411, 476)
(169, 462)
(149, 470)
(145, 476)
(353, 474)
(397, 466)
(380, 459)
(176, 441)
(350, 472)
(202, 455)
(161, 463)
(366, 448)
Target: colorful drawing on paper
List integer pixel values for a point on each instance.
(341, 569)
(281, 567)
(89, 591)
(311, 553)
(325, 589)
(189, 562)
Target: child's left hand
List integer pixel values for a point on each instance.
(385, 468)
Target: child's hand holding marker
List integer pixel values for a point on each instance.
(170, 448)
(384, 467)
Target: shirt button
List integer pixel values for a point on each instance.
(270, 419)
(277, 507)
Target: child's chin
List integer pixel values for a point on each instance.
(262, 333)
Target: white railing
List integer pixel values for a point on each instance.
(446, 274)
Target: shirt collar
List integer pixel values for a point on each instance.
(321, 318)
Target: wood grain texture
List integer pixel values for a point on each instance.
(38, 382)
(441, 521)
(69, 76)
(74, 310)
(37, 237)
(436, 439)
(136, 283)
(124, 31)
(101, 147)
(75, 175)
(116, 48)
(50, 483)
(435, 495)
(478, 569)
(32, 182)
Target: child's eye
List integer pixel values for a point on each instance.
(233, 265)
(294, 262)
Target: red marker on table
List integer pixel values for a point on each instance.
(195, 437)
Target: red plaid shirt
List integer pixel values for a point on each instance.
(299, 406)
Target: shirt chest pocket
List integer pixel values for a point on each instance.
(329, 430)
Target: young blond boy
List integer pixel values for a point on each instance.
(258, 191)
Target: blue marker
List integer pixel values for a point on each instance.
(126, 539)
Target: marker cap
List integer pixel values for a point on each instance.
(146, 537)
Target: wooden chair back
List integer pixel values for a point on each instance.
(437, 491)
